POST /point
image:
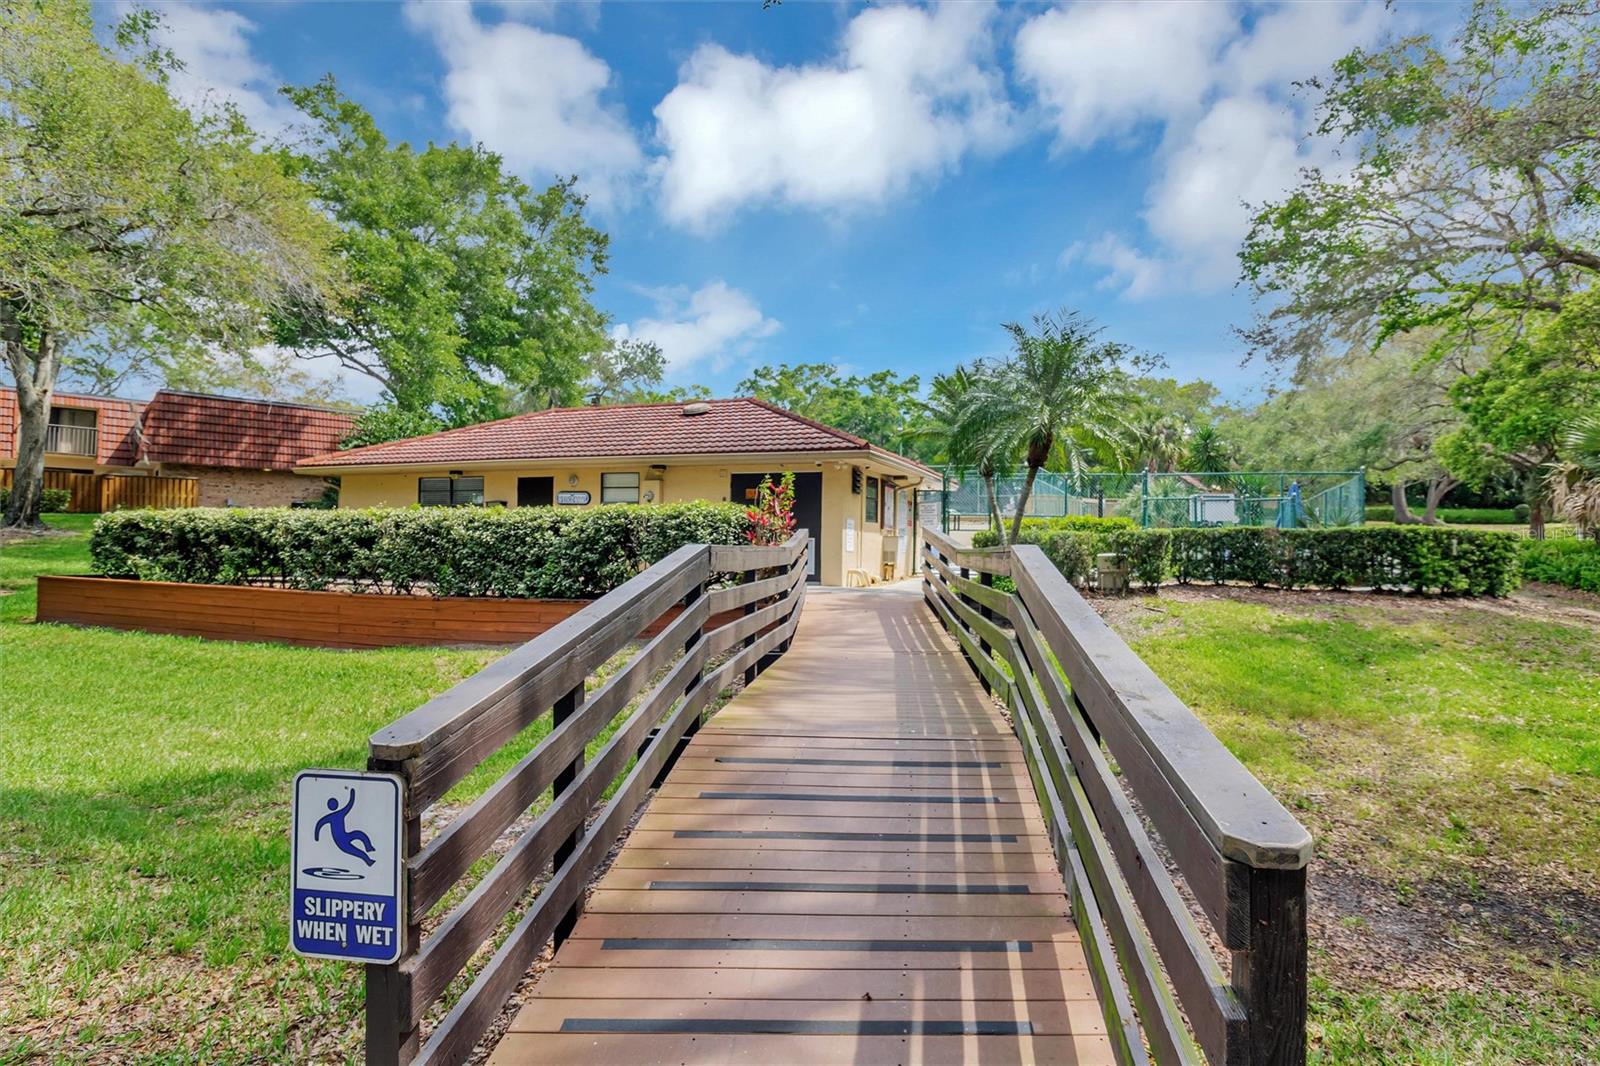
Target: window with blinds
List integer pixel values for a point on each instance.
(619, 488)
(450, 491)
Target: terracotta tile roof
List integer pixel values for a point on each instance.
(116, 443)
(737, 426)
(197, 430)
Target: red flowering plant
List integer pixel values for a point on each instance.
(772, 518)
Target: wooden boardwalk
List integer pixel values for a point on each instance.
(847, 865)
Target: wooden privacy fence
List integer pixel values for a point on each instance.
(1080, 698)
(92, 493)
(653, 702)
(119, 491)
(85, 492)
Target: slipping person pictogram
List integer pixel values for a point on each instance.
(351, 843)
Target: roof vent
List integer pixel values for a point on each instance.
(699, 407)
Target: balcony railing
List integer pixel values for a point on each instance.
(70, 440)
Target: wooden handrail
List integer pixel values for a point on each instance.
(1080, 698)
(1242, 819)
(652, 703)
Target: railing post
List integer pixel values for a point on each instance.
(394, 1038)
(565, 708)
(983, 645)
(1270, 977)
(695, 678)
(750, 608)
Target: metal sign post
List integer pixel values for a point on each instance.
(346, 896)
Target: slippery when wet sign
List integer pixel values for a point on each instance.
(345, 856)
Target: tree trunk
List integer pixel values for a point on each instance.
(35, 375)
(1022, 502)
(1402, 513)
(1438, 487)
(994, 507)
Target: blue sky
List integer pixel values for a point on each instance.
(875, 186)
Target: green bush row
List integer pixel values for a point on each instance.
(1462, 516)
(1567, 561)
(51, 501)
(463, 551)
(1417, 558)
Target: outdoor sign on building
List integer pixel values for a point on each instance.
(345, 861)
(572, 499)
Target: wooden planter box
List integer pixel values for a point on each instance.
(289, 616)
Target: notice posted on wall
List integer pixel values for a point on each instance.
(345, 856)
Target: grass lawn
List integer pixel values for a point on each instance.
(1446, 756)
(144, 786)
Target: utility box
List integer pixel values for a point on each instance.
(1112, 572)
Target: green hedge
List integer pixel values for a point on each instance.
(51, 501)
(462, 551)
(1417, 558)
(1565, 561)
(1461, 516)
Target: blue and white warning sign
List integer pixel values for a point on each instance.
(345, 850)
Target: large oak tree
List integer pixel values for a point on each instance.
(1466, 209)
(124, 218)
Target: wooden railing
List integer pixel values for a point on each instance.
(1080, 699)
(654, 701)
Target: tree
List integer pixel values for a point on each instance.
(1575, 482)
(881, 407)
(1468, 213)
(944, 435)
(126, 218)
(1383, 410)
(625, 371)
(378, 425)
(1154, 440)
(471, 288)
(1061, 390)
(1208, 452)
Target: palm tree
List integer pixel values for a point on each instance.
(1575, 482)
(1060, 393)
(1208, 452)
(947, 432)
(1156, 441)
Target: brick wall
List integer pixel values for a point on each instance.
(222, 487)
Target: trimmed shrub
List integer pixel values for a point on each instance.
(1567, 561)
(51, 501)
(1416, 558)
(460, 551)
(1461, 516)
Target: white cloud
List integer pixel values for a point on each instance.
(909, 94)
(1128, 269)
(712, 323)
(1220, 90)
(1100, 68)
(532, 96)
(218, 65)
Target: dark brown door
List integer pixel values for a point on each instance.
(742, 489)
(536, 491)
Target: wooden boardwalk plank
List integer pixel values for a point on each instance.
(847, 864)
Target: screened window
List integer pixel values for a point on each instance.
(619, 488)
(872, 500)
(450, 491)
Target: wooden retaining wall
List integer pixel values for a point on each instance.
(289, 616)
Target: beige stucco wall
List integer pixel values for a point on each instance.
(681, 482)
